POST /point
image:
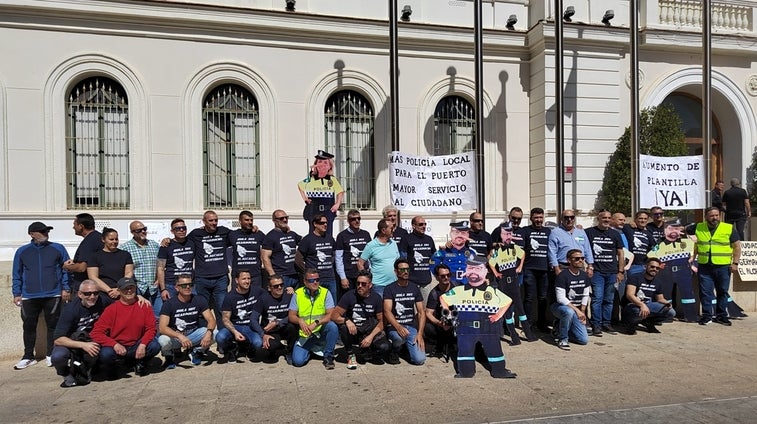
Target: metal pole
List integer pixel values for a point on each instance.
(394, 77)
(634, 12)
(706, 106)
(559, 115)
(479, 140)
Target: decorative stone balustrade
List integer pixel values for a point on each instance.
(687, 13)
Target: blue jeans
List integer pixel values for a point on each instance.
(714, 280)
(169, 344)
(108, 355)
(324, 339)
(570, 327)
(379, 290)
(214, 290)
(417, 356)
(602, 298)
(535, 288)
(657, 314)
(225, 339)
(155, 300)
(331, 285)
(289, 281)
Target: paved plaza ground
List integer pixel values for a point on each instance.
(688, 373)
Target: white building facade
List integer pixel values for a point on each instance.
(156, 109)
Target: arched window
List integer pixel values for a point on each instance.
(231, 148)
(97, 145)
(454, 126)
(349, 135)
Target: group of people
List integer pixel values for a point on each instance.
(383, 295)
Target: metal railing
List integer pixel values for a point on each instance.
(454, 126)
(349, 125)
(97, 144)
(231, 148)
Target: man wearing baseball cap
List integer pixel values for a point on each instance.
(126, 330)
(39, 285)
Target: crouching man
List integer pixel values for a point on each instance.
(75, 353)
(181, 327)
(644, 302)
(360, 317)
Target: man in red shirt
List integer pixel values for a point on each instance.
(126, 330)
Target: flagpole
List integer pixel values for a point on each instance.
(634, 12)
(479, 77)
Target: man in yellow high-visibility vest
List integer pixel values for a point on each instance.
(717, 251)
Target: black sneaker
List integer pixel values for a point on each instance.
(230, 357)
(328, 363)
(393, 358)
(724, 321)
(140, 369)
(596, 331)
(705, 321)
(69, 381)
(169, 363)
(651, 328)
(608, 329)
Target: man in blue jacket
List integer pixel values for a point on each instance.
(39, 285)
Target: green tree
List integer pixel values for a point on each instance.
(660, 134)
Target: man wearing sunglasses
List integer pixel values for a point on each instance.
(144, 254)
(571, 299)
(418, 248)
(74, 352)
(657, 224)
(280, 248)
(310, 309)
(181, 324)
(316, 250)
(350, 243)
(406, 316)
(360, 317)
(565, 237)
(643, 301)
(174, 259)
(274, 307)
(39, 285)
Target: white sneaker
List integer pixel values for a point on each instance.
(49, 361)
(24, 363)
(351, 362)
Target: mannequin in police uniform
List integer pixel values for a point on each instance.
(321, 191)
(479, 308)
(456, 253)
(675, 254)
(507, 260)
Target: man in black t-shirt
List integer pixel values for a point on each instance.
(643, 302)
(240, 315)
(737, 207)
(176, 258)
(274, 314)
(84, 226)
(349, 245)
(571, 299)
(245, 248)
(405, 314)
(439, 331)
(279, 249)
(181, 324)
(74, 352)
(418, 248)
(210, 243)
(536, 269)
(640, 241)
(360, 318)
(316, 251)
(609, 263)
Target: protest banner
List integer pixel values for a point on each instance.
(433, 183)
(748, 261)
(671, 182)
